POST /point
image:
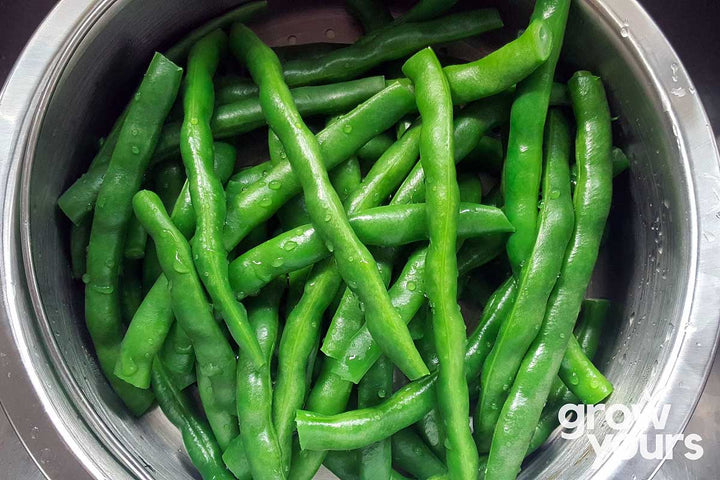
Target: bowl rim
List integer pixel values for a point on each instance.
(38, 405)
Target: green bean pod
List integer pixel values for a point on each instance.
(78, 201)
(375, 148)
(388, 44)
(372, 14)
(215, 357)
(523, 167)
(254, 391)
(537, 279)
(376, 459)
(592, 198)
(517, 60)
(135, 144)
(587, 334)
(135, 240)
(442, 206)
(178, 356)
(206, 191)
(413, 456)
(354, 261)
(198, 439)
(131, 294)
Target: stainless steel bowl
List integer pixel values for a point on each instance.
(661, 264)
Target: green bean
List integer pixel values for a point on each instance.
(559, 95)
(427, 9)
(246, 115)
(376, 459)
(523, 167)
(354, 262)
(413, 456)
(206, 191)
(372, 14)
(240, 182)
(338, 142)
(344, 465)
(215, 357)
(275, 148)
(432, 432)
(78, 201)
(130, 289)
(243, 13)
(254, 391)
(536, 281)
(143, 339)
(470, 125)
(112, 213)
(516, 60)
(374, 149)
(148, 329)
(178, 356)
(442, 206)
(389, 226)
(388, 44)
(79, 239)
(582, 377)
(587, 334)
(197, 437)
(135, 240)
(168, 180)
(592, 199)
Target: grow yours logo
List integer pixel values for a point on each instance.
(579, 420)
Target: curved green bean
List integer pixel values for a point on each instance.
(215, 357)
(523, 167)
(413, 456)
(130, 158)
(198, 439)
(442, 205)
(388, 44)
(376, 459)
(338, 142)
(354, 261)
(516, 60)
(206, 191)
(254, 391)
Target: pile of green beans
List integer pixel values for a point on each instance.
(351, 246)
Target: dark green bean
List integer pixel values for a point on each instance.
(131, 294)
(413, 456)
(523, 167)
(135, 240)
(78, 201)
(388, 44)
(198, 439)
(374, 149)
(372, 14)
(426, 9)
(129, 160)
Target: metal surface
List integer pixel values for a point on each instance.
(67, 86)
